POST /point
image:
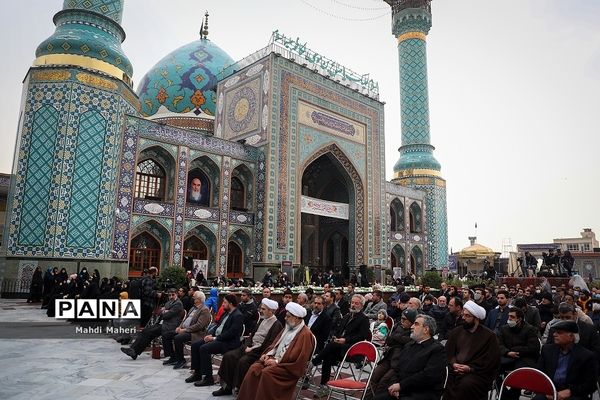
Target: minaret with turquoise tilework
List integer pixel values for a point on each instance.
(88, 34)
(417, 167)
(62, 209)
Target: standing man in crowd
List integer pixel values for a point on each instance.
(149, 295)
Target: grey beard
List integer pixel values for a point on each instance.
(195, 195)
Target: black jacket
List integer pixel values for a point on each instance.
(422, 370)
(250, 313)
(232, 330)
(581, 371)
(321, 328)
(524, 340)
(354, 327)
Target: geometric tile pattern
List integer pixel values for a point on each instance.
(83, 211)
(224, 223)
(184, 81)
(413, 92)
(259, 226)
(182, 168)
(243, 104)
(82, 30)
(112, 9)
(38, 177)
(83, 169)
(293, 83)
(416, 150)
(126, 181)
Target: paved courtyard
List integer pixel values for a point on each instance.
(84, 369)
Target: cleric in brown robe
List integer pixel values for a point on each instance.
(275, 374)
(236, 362)
(473, 356)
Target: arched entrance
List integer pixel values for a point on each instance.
(234, 261)
(193, 249)
(327, 234)
(143, 253)
(416, 261)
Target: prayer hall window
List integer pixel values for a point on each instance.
(237, 195)
(150, 181)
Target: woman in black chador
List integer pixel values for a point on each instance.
(37, 284)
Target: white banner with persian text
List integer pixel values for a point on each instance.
(325, 208)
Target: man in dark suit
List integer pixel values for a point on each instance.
(319, 322)
(421, 371)
(572, 368)
(171, 316)
(498, 316)
(222, 337)
(341, 302)
(332, 309)
(353, 328)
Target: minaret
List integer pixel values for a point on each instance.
(89, 35)
(75, 96)
(417, 167)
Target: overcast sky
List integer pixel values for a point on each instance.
(514, 91)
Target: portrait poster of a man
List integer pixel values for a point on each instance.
(197, 192)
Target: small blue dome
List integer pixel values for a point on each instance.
(185, 80)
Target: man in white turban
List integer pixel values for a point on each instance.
(275, 374)
(475, 310)
(473, 355)
(236, 362)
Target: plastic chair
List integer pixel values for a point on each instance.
(356, 382)
(529, 379)
(389, 321)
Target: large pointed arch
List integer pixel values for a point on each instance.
(243, 242)
(210, 240)
(357, 213)
(159, 233)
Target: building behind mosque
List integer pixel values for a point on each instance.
(271, 160)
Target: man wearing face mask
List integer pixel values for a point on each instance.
(519, 346)
(383, 375)
(275, 374)
(479, 298)
(421, 368)
(473, 356)
(236, 362)
(439, 310)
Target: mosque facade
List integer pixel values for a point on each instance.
(270, 161)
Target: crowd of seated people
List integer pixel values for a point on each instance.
(455, 342)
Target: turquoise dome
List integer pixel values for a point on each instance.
(185, 80)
